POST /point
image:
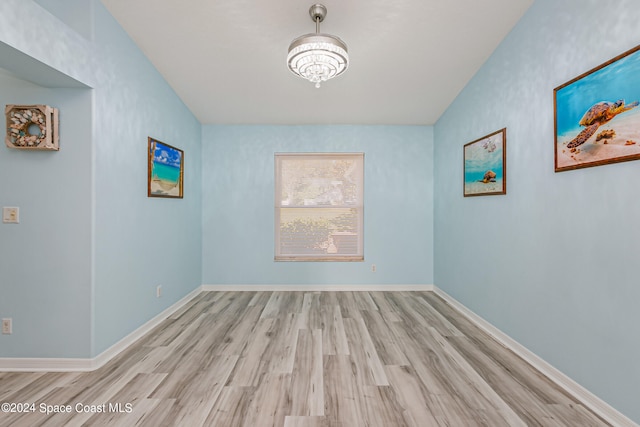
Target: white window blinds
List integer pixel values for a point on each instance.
(319, 207)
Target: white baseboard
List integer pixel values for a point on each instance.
(318, 288)
(587, 398)
(47, 364)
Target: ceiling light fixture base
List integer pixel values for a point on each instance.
(317, 12)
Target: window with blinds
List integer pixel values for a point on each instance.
(319, 207)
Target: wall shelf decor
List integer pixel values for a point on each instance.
(32, 127)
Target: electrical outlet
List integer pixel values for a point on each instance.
(373, 268)
(158, 291)
(7, 327)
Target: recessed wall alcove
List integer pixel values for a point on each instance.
(50, 256)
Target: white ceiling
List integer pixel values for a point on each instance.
(226, 59)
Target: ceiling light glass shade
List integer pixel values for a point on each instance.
(317, 57)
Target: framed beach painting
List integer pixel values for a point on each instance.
(597, 118)
(166, 170)
(485, 165)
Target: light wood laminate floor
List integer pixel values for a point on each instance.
(296, 359)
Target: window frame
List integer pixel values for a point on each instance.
(278, 206)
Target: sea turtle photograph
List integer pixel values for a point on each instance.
(596, 116)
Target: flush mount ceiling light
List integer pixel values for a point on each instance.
(317, 57)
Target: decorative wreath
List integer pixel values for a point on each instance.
(21, 121)
(32, 127)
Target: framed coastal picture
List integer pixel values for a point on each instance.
(166, 170)
(485, 165)
(597, 118)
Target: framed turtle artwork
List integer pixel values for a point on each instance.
(485, 165)
(597, 115)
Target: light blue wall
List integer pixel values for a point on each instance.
(51, 46)
(114, 245)
(552, 263)
(140, 242)
(75, 13)
(238, 204)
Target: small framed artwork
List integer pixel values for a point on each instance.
(485, 165)
(166, 170)
(597, 117)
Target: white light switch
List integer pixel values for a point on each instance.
(11, 215)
